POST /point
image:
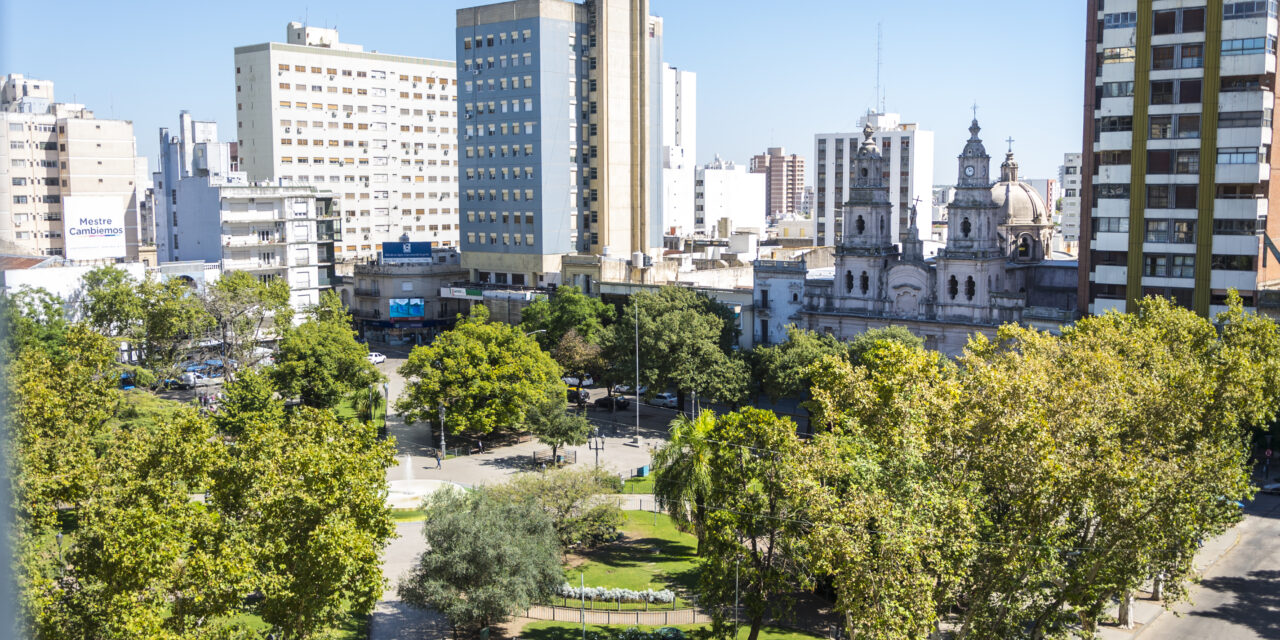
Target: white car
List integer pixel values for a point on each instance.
(1273, 487)
(668, 400)
(626, 389)
(376, 358)
(572, 381)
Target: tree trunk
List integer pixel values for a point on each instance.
(1125, 617)
(756, 623)
(699, 512)
(1157, 587)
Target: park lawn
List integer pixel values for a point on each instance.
(347, 411)
(546, 630)
(639, 485)
(408, 515)
(649, 557)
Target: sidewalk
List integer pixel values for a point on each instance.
(1146, 610)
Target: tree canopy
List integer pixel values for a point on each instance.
(686, 341)
(487, 559)
(487, 374)
(555, 426)
(567, 309)
(319, 361)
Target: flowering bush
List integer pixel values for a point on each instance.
(604, 594)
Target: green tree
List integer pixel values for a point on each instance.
(556, 427)
(682, 470)
(755, 535)
(310, 491)
(576, 356)
(686, 342)
(320, 361)
(244, 311)
(31, 318)
(487, 374)
(112, 305)
(487, 560)
(865, 341)
(571, 498)
(1105, 455)
(883, 480)
(566, 310)
(783, 369)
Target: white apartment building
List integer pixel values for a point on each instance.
(214, 214)
(378, 130)
(910, 152)
(679, 149)
(726, 197)
(69, 182)
(1068, 236)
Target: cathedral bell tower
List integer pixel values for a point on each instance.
(867, 246)
(972, 215)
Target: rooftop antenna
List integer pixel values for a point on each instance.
(879, 56)
(880, 90)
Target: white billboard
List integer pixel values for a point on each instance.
(93, 227)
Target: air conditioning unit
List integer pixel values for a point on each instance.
(286, 129)
(330, 77)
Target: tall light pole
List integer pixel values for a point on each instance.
(441, 429)
(636, 303)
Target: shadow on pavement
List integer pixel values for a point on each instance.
(1255, 604)
(396, 620)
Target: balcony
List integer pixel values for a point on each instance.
(251, 265)
(251, 241)
(366, 314)
(367, 293)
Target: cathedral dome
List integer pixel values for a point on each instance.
(1019, 203)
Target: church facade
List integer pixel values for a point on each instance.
(993, 270)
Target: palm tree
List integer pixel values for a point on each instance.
(682, 471)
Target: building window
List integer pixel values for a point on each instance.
(1244, 119)
(1122, 20)
(1117, 54)
(1253, 9)
(1117, 89)
(1242, 155)
(1232, 263)
(1249, 46)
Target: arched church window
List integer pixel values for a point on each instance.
(1024, 247)
(864, 283)
(848, 282)
(864, 172)
(970, 288)
(795, 297)
(953, 287)
(881, 224)
(860, 225)
(965, 227)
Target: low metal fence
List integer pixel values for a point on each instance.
(636, 617)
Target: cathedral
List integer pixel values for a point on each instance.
(994, 268)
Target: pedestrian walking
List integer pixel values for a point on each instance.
(438, 465)
(481, 443)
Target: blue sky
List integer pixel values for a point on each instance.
(769, 73)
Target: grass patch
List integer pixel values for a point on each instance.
(347, 411)
(638, 485)
(408, 515)
(546, 630)
(350, 627)
(650, 556)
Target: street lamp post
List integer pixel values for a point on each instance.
(636, 388)
(442, 430)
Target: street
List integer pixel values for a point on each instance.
(1239, 597)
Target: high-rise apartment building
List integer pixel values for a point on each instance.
(379, 130)
(909, 150)
(1177, 180)
(679, 149)
(1069, 216)
(784, 182)
(728, 197)
(213, 213)
(69, 182)
(561, 135)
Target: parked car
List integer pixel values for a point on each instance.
(576, 397)
(668, 400)
(193, 379)
(572, 381)
(617, 403)
(626, 388)
(1273, 487)
(376, 358)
